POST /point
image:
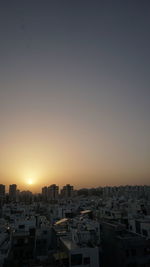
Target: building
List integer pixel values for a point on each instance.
(2, 194)
(23, 241)
(12, 192)
(123, 248)
(67, 191)
(5, 245)
(78, 241)
(44, 193)
(2, 190)
(52, 192)
(25, 196)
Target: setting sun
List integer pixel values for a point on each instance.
(30, 177)
(30, 182)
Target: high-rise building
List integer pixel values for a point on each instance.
(44, 192)
(12, 192)
(67, 191)
(2, 194)
(52, 192)
(2, 190)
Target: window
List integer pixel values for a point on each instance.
(127, 253)
(133, 252)
(21, 226)
(26, 241)
(144, 232)
(86, 260)
(76, 259)
(20, 242)
(147, 251)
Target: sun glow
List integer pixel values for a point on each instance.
(30, 178)
(30, 181)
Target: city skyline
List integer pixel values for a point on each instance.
(5, 189)
(74, 93)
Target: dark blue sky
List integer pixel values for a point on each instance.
(74, 90)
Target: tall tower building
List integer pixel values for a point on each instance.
(2, 194)
(44, 192)
(67, 191)
(52, 192)
(2, 190)
(12, 192)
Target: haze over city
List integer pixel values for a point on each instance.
(74, 93)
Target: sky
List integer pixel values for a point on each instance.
(74, 93)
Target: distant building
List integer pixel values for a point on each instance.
(17, 195)
(67, 191)
(2, 194)
(52, 192)
(12, 192)
(25, 196)
(2, 190)
(44, 193)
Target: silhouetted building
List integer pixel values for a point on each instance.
(2, 190)
(12, 192)
(23, 242)
(67, 191)
(2, 194)
(44, 193)
(25, 196)
(53, 192)
(123, 248)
